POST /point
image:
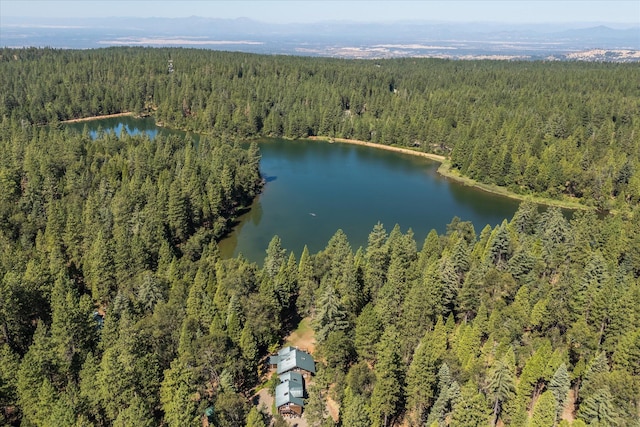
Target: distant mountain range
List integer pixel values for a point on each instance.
(619, 43)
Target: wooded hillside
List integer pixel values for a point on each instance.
(117, 309)
(560, 129)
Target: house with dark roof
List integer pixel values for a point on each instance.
(293, 359)
(290, 394)
(292, 366)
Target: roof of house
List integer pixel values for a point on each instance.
(273, 360)
(292, 358)
(294, 377)
(288, 392)
(283, 352)
(286, 350)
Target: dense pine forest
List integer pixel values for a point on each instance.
(560, 129)
(116, 308)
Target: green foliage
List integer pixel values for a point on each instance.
(117, 309)
(368, 333)
(177, 396)
(597, 409)
(307, 284)
(501, 386)
(8, 381)
(421, 376)
(231, 409)
(559, 386)
(544, 411)
(448, 396)
(315, 406)
(137, 413)
(331, 315)
(470, 410)
(255, 418)
(388, 389)
(571, 146)
(356, 412)
(338, 350)
(275, 258)
(360, 379)
(377, 259)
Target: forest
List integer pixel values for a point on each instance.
(563, 130)
(116, 308)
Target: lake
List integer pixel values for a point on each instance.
(314, 188)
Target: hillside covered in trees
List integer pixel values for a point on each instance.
(116, 308)
(559, 129)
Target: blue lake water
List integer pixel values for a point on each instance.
(315, 188)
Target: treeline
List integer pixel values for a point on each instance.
(533, 322)
(108, 248)
(116, 308)
(560, 129)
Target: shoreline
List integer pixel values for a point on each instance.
(436, 157)
(444, 169)
(92, 118)
(446, 172)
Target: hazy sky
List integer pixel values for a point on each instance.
(511, 11)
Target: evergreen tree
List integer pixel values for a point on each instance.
(8, 383)
(178, 212)
(377, 260)
(526, 218)
(559, 386)
(356, 411)
(231, 409)
(72, 327)
(100, 269)
(368, 332)
(255, 418)
(177, 396)
(331, 316)
(544, 411)
(421, 377)
(470, 410)
(136, 414)
(315, 407)
(307, 284)
(501, 387)
(597, 406)
(275, 258)
(499, 249)
(388, 389)
(448, 395)
(38, 368)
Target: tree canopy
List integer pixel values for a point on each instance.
(116, 307)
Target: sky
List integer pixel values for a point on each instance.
(281, 12)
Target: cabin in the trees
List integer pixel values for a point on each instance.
(290, 394)
(292, 365)
(293, 359)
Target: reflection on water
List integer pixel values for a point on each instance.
(352, 188)
(314, 188)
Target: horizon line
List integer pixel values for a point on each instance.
(339, 21)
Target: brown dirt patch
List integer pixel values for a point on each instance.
(569, 407)
(88, 119)
(333, 408)
(303, 337)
